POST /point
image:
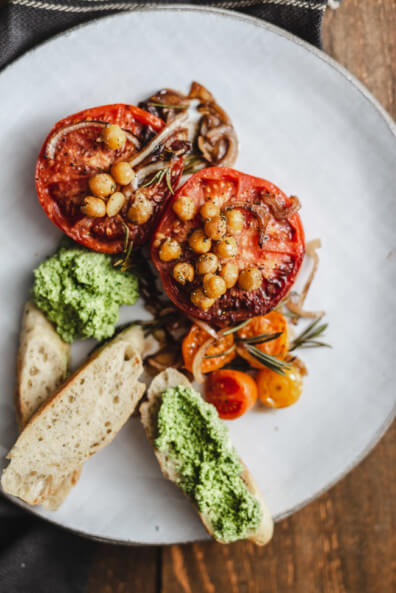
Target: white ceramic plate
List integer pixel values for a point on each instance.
(303, 123)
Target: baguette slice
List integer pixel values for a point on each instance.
(82, 417)
(133, 335)
(42, 366)
(149, 413)
(42, 362)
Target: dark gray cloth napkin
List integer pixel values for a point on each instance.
(24, 23)
(36, 557)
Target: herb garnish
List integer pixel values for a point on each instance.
(307, 338)
(124, 261)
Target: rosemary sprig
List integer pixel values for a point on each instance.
(307, 338)
(234, 329)
(272, 362)
(166, 105)
(124, 262)
(261, 338)
(155, 179)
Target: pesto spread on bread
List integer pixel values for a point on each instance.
(197, 442)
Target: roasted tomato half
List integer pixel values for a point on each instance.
(228, 246)
(85, 195)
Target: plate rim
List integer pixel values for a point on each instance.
(351, 79)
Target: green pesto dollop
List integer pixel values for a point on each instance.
(80, 291)
(197, 441)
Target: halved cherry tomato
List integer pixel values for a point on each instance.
(195, 338)
(232, 393)
(273, 322)
(279, 391)
(73, 152)
(271, 242)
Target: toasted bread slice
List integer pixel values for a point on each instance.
(82, 417)
(42, 362)
(149, 412)
(42, 366)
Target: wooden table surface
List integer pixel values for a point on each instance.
(344, 542)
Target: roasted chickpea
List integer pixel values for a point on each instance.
(209, 210)
(235, 221)
(122, 173)
(102, 185)
(140, 210)
(199, 242)
(94, 207)
(169, 250)
(113, 136)
(183, 273)
(184, 208)
(214, 286)
(227, 247)
(216, 227)
(200, 300)
(115, 203)
(250, 279)
(230, 273)
(207, 263)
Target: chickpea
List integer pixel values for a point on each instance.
(214, 286)
(140, 210)
(250, 279)
(184, 208)
(230, 273)
(183, 273)
(94, 207)
(235, 221)
(122, 173)
(169, 250)
(115, 203)
(102, 185)
(216, 227)
(227, 247)
(207, 263)
(113, 136)
(209, 210)
(199, 242)
(200, 300)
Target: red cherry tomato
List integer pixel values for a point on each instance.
(232, 393)
(270, 240)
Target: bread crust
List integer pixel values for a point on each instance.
(149, 412)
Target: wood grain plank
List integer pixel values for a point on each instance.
(120, 569)
(362, 37)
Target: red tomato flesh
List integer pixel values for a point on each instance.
(67, 161)
(278, 255)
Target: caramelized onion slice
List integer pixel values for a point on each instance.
(198, 359)
(53, 141)
(278, 209)
(296, 307)
(159, 139)
(259, 211)
(205, 326)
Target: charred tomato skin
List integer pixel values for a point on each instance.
(67, 177)
(281, 253)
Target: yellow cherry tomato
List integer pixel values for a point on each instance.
(279, 391)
